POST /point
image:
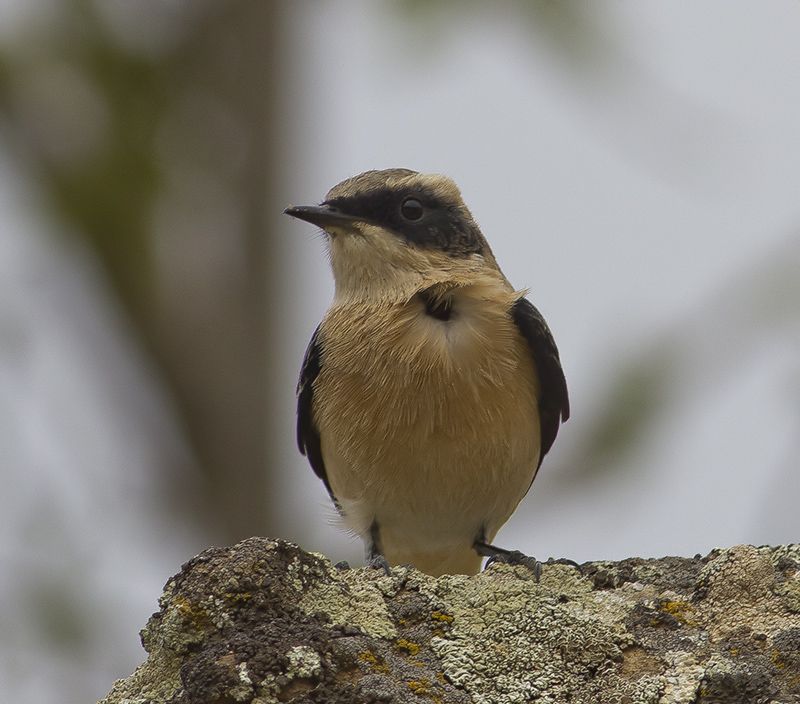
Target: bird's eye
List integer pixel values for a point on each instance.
(411, 209)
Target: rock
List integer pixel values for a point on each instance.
(263, 622)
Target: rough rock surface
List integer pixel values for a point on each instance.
(263, 621)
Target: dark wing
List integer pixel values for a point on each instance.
(553, 400)
(307, 433)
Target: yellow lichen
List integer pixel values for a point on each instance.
(182, 605)
(408, 646)
(197, 616)
(681, 611)
(375, 662)
(443, 617)
(238, 597)
(421, 687)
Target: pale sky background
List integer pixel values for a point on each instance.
(638, 200)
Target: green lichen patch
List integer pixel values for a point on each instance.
(265, 622)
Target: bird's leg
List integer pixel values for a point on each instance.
(373, 553)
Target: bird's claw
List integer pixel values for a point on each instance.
(564, 561)
(378, 562)
(515, 557)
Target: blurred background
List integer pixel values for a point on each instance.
(635, 164)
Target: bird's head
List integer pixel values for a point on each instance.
(395, 231)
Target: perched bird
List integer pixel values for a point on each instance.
(431, 390)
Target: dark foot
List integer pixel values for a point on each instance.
(515, 557)
(343, 565)
(564, 561)
(508, 557)
(378, 562)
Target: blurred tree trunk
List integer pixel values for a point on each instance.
(161, 161)
(215, 350)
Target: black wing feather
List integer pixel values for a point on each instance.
(307, 433)
(553, 399)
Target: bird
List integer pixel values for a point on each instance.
(431, 390)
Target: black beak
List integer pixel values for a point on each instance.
(320, 215)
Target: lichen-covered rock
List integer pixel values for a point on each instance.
(265, 622)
